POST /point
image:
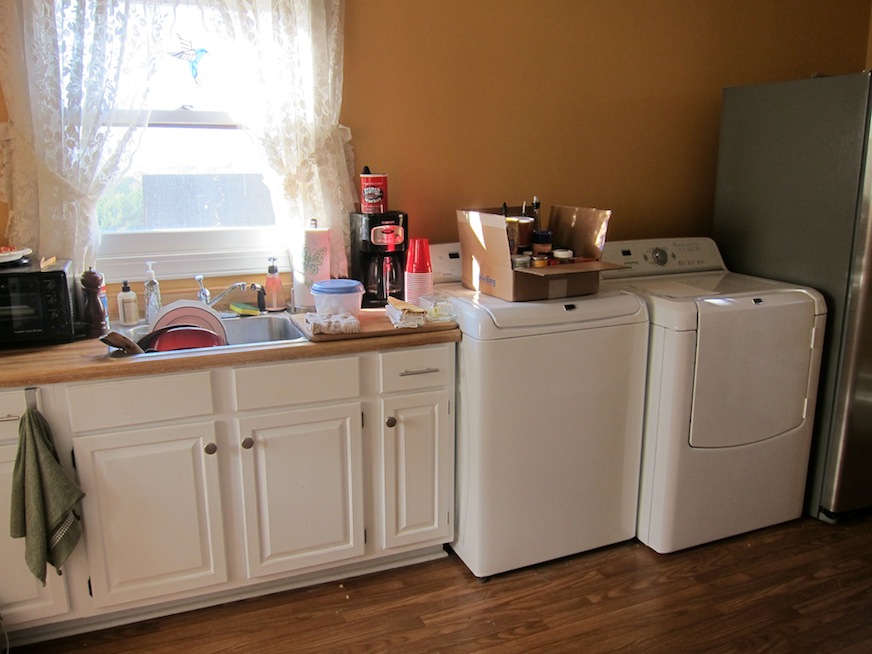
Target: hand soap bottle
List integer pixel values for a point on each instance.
(275, 294)
(152, 293)
(128, 307)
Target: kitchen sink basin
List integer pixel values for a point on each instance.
(242, 331)
(245, 330)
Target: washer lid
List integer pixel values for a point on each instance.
(485, 316)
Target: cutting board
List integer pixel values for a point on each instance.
(373, 322)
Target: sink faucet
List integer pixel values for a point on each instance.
(205, 296)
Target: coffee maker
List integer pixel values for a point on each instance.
(378, 255)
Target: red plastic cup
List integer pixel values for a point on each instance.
(418, 256)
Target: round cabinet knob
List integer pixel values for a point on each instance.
(660, 257)
(391, 422)
(210, 448)
(247, 443)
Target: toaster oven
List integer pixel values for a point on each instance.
(36, 303)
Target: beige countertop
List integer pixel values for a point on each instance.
(88, 359)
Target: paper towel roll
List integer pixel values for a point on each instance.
(313, 266)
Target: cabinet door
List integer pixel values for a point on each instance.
(152, 511)
(417, 460)
(22, 596)
(302, 479)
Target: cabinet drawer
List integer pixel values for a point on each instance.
(424, 367)
(116, 403)
(12, 407)
(300, 382)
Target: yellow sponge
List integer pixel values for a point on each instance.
(244, 309)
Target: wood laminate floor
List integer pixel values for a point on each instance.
(804, 586)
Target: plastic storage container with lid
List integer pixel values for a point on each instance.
(334, 296)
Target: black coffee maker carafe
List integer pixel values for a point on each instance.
(378, 255)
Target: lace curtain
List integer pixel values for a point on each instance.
(75, 110)
(296, 49)
(62, 95)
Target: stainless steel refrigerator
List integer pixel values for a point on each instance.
(792, 203)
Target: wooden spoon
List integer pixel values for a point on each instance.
(126, 345)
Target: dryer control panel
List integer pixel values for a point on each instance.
(646, 257)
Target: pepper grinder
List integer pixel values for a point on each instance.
(94, 313)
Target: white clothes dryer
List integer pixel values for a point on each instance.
(732, 380)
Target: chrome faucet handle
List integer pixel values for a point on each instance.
(203, 294)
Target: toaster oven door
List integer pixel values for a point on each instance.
(34, 308)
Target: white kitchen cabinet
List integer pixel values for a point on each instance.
(415, 446)
(417, 456)
(13, 404)
(213, 485)
(146, 453)
(152, 511)
(302, 485)
(301, 464)
(22, 596)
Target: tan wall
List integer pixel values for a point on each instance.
(4, 209)
(605, 103)
(869, 46)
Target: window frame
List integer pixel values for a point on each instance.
(185, 253)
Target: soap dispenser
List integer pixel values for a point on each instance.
(128, 308)
(275, 294)
(152, 293)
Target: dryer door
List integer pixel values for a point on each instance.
(752, 368)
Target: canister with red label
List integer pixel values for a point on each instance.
(373, 192)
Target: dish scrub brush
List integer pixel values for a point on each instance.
(244, 309)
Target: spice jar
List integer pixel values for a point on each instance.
(520, 261)
(525, 232)
(541, 241)
(562, 255)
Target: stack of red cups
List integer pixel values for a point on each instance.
(419, 272)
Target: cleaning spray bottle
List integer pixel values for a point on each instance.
(152, 293)
(275, 294)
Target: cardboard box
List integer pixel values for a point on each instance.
(486, 264)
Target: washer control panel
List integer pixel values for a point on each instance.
(646, 257)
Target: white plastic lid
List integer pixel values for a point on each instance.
(337, 287)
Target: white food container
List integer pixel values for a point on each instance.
(335, 296)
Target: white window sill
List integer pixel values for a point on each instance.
(176, 258)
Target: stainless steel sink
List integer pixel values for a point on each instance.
(265, 328)
(242, 331)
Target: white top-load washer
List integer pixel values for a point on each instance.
(733, 372)
(549, 425)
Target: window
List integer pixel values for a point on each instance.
(200, 68)
(197, 197)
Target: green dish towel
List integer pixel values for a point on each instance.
(43, 497)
